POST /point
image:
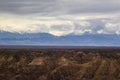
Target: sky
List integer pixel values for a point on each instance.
(60, 17)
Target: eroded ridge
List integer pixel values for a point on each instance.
(59, 65)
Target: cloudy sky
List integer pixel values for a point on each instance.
(60, 17)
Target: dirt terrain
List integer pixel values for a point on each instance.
(89, 64)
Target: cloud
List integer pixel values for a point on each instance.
(60, 17)
(59, 27)
(59, 7)
(62, 29)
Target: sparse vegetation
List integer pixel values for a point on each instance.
(59, 64)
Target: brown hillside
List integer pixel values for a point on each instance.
(59, 65)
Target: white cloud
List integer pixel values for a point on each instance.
(60, 26)
(113, 28)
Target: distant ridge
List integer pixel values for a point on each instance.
(8, 38)
(110, 48)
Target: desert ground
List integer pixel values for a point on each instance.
(60, 64)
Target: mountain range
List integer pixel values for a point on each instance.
(8, 38)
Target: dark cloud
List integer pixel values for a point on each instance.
(28, 6)
(60, 7)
